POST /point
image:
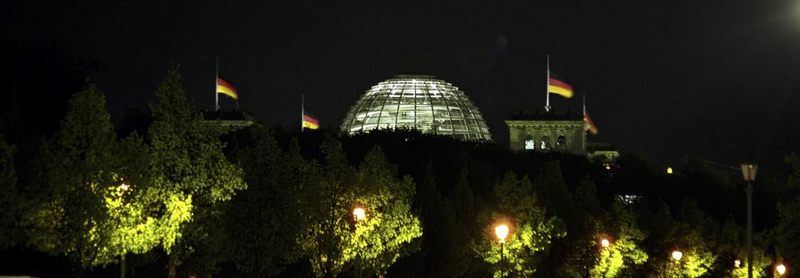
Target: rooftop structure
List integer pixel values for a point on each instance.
(548, 131)
(419, 102)
(229, 119)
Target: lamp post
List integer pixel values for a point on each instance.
(501, 231)
(749, 170)
(359, 214)
(605, 242)
(123, 187)
(677, 255)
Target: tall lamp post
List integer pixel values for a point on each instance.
(501, 231)
(359, 214)
(749, 170)
(677, 255)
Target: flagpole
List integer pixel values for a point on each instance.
(302, 111)
(216, 86)
(584, 104)
(547, 86)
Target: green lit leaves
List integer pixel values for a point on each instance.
(531, 233)
(334, 238)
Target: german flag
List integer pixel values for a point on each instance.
(225, 88)
(310, 122)
(588, 120)
(558, 87)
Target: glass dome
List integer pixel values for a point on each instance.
(419, 102)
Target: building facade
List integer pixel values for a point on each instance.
(549, 131)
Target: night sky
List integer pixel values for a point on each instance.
(664, 79)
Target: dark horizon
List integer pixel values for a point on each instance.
(664, 80)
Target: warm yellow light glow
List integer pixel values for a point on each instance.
(781, 269)
(749, 171)
(359, 213)
(677, 255)
(669, 170)
(737, 263)
(502, 232)
(124, 187)
(605, 243)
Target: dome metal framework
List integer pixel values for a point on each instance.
(419, 102)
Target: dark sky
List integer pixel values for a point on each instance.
(665, 79)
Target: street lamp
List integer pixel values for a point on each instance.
(677, 255)
(605, 243)
(501, 231)
(781, 269)
(359, 214)
(749, 170)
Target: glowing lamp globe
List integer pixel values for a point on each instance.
(781, 269)
(359, 213)
(501, 231)
(677, 255)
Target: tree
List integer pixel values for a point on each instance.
(263, 222)
(442, 256)
(568, 253)
(334, 237)
(92, 206)
(624, 249)
(689, 235)
(531, 232)
(390, 227)
(71, 218)
(328, 218)
(466, 207)
(189, 170)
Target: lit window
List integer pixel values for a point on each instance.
(530, 144)
(545, 143)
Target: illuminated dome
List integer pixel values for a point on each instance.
(419, 102)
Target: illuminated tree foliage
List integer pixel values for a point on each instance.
(692, 235)
(731, 246)
(71, 218)
(761, 262)
(91, 207)
(623, 250)
(189, 172)
(334, 238)
(531, 232)
(390, 226)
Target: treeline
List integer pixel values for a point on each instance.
(177, 196)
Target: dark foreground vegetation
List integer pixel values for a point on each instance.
(168, 194)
